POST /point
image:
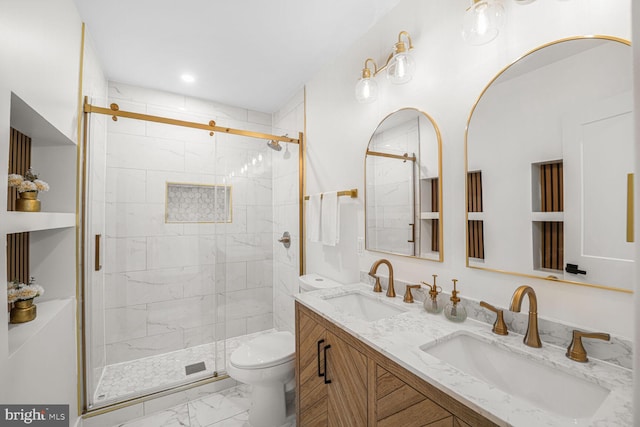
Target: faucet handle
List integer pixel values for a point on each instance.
(408, 297)
(499, 327)
(576, 350)
(377, 287)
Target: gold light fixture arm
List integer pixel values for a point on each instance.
(399, 47)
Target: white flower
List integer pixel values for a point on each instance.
(27, 186)
(15, 180)
(21, 291)
(41, 185)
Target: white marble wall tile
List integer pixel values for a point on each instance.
(259, 219)
(200, 157)
(246, 303)
(231, 327)
(166, 131)
(200, 335)
(139, 220)
(236, 276)
(219, 112)
(180, 251)
(246, 247)
(259, 274)
(125, 323)
(127, 92)
(259, 323)
(138, 152)
(175, 417)
(147, 286)
(252, 192)
(284, 312)
(128, 126)
(126, 185)
(138, 348)
(259, 118)
(219, 406)
(170, 316)
(199, 280)
(285, 188)
(125, 254)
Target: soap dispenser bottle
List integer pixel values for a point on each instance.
(455, 311)
(434, 303)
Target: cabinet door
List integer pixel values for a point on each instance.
(397, 404)
(347, 371)
(311, 387)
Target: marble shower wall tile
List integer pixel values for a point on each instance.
(163, 280)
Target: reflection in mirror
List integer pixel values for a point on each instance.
(403, 197)
(549, 149)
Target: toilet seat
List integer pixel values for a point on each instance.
(265, 351)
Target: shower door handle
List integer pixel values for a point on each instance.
(413, 233)
(97, 265)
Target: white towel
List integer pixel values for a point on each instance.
(330, 219)
(313, 217)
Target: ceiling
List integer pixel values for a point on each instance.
(253, 54)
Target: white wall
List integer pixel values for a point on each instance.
(450, 76)
(40, 50)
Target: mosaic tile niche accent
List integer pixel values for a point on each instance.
(198, 203)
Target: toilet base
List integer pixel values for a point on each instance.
(268, 406)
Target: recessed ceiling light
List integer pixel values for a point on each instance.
(188, 78)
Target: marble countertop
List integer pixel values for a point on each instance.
(400, 337)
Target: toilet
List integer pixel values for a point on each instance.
(267, 363)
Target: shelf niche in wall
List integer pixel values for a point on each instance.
(475, 224)
(548, 226)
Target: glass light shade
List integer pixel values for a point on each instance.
(483, 21)
(366, 90)
(401, 68)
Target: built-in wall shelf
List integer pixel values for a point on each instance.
(20, 333)
(547, 216)
(20, 222)
(429, 215)
(475, 216)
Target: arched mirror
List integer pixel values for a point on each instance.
(549, 148)
(403, 193)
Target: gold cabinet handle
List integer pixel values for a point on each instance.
(576, 350)
(499, 327)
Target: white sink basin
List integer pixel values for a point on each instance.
(363, 306)
(546, 387)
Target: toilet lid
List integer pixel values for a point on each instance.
(265, 351)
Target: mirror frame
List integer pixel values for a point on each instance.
(466, 167)
(440, 209)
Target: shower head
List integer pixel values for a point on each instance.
(274, 145)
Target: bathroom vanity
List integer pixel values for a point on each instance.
(363, 359)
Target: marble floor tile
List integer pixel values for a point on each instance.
(174, 417)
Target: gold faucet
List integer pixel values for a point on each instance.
(532, 337)
(408, 296)
(576, 350)
(499, 327)
(391, 292)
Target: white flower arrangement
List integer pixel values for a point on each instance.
(17, 291)
(28, 182)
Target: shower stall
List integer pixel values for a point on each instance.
(181, 256)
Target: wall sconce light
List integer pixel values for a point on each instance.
(400, 67)
(483, 20)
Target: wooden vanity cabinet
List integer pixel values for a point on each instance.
(343, 382)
